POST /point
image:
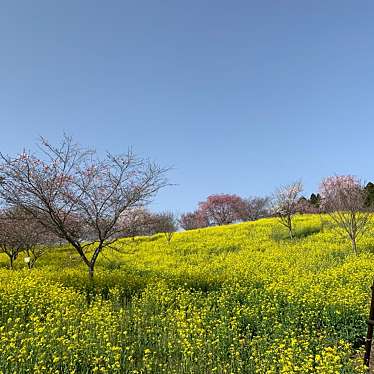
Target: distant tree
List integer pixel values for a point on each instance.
(135, 222)
(35, 252)
(36, 239)
(165, 223)
(369, 190)
(222, 209)
(315, 200)
(77, 196)
(255, 208)
(304, 206)
(10, 245)
(19, 232)
(285, 201)
(194, 220)
(344, 199)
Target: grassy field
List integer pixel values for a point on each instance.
(234, 299)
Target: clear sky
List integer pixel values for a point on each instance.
(239, 96)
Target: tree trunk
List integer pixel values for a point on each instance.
(289, 223)
(91, 271)
(11, 262)
(354, 245)
(92, 263)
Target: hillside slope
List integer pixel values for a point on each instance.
(237, 298)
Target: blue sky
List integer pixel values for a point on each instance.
(239, 96)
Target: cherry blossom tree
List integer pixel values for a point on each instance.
(193, 220)
(222, 209)
(285, 202)
(10, 244)
(344, 198)
(255, 208)
(135, 222)
(141, 222)
(19, 232)
(76, 195)
(165, 223)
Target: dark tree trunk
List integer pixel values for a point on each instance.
(290, 228)
(91, 264)
(91, 271)
(354, 245)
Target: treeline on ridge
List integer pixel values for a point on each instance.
(68, 194)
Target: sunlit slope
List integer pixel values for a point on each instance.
(238, 298)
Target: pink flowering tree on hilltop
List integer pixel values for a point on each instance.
(255, 207)
(193, 220)
(344, 199)
(222, 209)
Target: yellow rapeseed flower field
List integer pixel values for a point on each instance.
(232, 299)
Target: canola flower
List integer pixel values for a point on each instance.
(232, 299)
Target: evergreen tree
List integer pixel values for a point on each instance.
(315, 200)
(369, 189)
